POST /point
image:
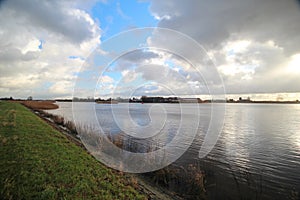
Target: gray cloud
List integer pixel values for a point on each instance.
(140, 56)
(270, 26)
(14, 55)
(133, 58)
(52, 16)
(212, 22)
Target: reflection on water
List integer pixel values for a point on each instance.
(257, 155)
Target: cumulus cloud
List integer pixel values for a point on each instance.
(254, 46)
(253, 42)
(42, 46)
(154, 72)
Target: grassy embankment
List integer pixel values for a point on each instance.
(38, 162)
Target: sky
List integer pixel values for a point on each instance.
(197, 47)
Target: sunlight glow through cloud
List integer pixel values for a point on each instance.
(294, 64)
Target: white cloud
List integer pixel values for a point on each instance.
(31, 46)
(67, 33)
(106, 79)
(128, 76)
(61, 88)
(155, 72)
(240, 46)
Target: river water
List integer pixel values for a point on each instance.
(257, 155)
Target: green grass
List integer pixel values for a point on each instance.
(38, 162)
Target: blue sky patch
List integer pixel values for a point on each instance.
(117, 16)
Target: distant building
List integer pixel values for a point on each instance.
(188, 100)
(241, 100)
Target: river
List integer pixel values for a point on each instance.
(257, 155)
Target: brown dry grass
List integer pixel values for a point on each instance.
(43, 105)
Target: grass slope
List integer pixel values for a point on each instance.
(38, 162)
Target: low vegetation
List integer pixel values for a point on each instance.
(44, 105)
(38, 162)
(185, 180)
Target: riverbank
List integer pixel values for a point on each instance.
(39, 162)
(144, 188)
(145, 185)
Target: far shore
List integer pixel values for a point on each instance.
(51, 104)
